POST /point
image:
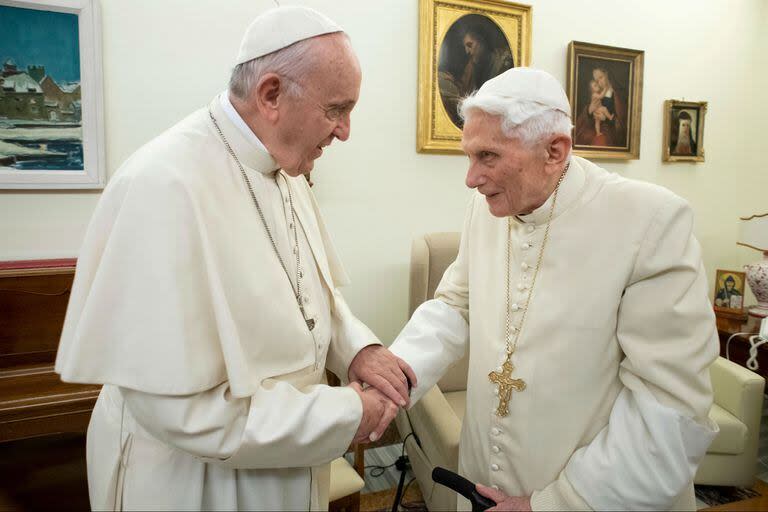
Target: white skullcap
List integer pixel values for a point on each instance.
(527, 84)
(281, 27)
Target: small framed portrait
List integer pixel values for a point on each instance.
(462, 44)
(729, 291)
(605, 88)
(684, 131)
(51, 106)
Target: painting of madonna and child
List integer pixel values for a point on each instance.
(605, 98)
(40, 97)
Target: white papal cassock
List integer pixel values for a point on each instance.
(214, 395)
(615, 349)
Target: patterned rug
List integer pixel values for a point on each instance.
(714, 495)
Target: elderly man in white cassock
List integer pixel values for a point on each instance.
(206, 297)
(582, 300)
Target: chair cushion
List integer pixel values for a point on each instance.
(437, 427)
(458, 402)
(733, 433)
(344, 480)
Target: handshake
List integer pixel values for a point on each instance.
(388, 379)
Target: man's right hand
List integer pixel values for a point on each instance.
(378, 412)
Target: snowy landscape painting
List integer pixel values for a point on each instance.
(40, 94)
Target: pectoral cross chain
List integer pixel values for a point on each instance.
(506, 385)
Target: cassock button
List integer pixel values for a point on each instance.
(496, 449)
(495, 431)
(495, 467)
(521, 286)
(530, 228)
(290, 226)
(305, 299)
(495, 391)
(295, 250)
(514, 307)
(496, 487)
(526, 246)
(524, 266)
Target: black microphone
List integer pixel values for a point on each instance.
(462, 486)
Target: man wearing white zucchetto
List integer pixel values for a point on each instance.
(206, 297)
(582, 300)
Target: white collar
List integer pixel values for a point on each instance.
(570, 190)
(229, 109)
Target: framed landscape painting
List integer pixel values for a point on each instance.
(51, 106)
(463, 44)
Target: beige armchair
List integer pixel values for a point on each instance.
(436, 420)
(732, 457)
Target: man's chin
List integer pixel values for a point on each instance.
(496, 207)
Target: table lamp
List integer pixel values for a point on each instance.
(753, 233)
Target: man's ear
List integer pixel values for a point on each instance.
(267, 94)
(557, 151)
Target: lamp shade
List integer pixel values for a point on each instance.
(753, 232)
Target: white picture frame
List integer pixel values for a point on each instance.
(93, 173)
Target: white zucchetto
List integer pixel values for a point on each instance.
(527, 84)
(281, 27)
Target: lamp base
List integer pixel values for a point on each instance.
(757, 277)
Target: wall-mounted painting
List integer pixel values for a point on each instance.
(462, 44)
(51, 107)
(605, 88)
(683, 131)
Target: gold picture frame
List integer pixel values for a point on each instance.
(683, 131)
(729, 299)
(462, 43)
(605, 88)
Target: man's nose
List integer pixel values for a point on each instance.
(343, 127)
(475, 177)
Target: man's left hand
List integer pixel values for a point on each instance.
(504, 502)
(378, 367)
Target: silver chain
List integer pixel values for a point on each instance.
(299, 274)
(512, 344)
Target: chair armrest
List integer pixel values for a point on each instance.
(736, 389)
(437, 427)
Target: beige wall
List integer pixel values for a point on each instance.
(163, 59)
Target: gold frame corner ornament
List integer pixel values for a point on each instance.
(636, 59)
(435, 132)
(666, 155)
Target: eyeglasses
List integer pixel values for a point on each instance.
(333, 112)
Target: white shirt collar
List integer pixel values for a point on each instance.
(233, 116)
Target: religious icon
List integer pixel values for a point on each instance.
(473, 51)
(729, 291)
(50, 95)
(684, 131)
(605, 91)
(463, 43)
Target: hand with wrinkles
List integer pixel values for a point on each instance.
(376, 366)
(378, 412)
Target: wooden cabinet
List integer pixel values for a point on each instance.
(42, 420)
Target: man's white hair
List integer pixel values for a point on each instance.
(291, 62)
(528, 121)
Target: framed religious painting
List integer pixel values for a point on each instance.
(462, 44)
(605, 88)
(51, 106)
(683, 131)
(729, 291)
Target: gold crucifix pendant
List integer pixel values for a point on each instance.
(506, 385)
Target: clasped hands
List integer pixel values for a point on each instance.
(387, 377)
